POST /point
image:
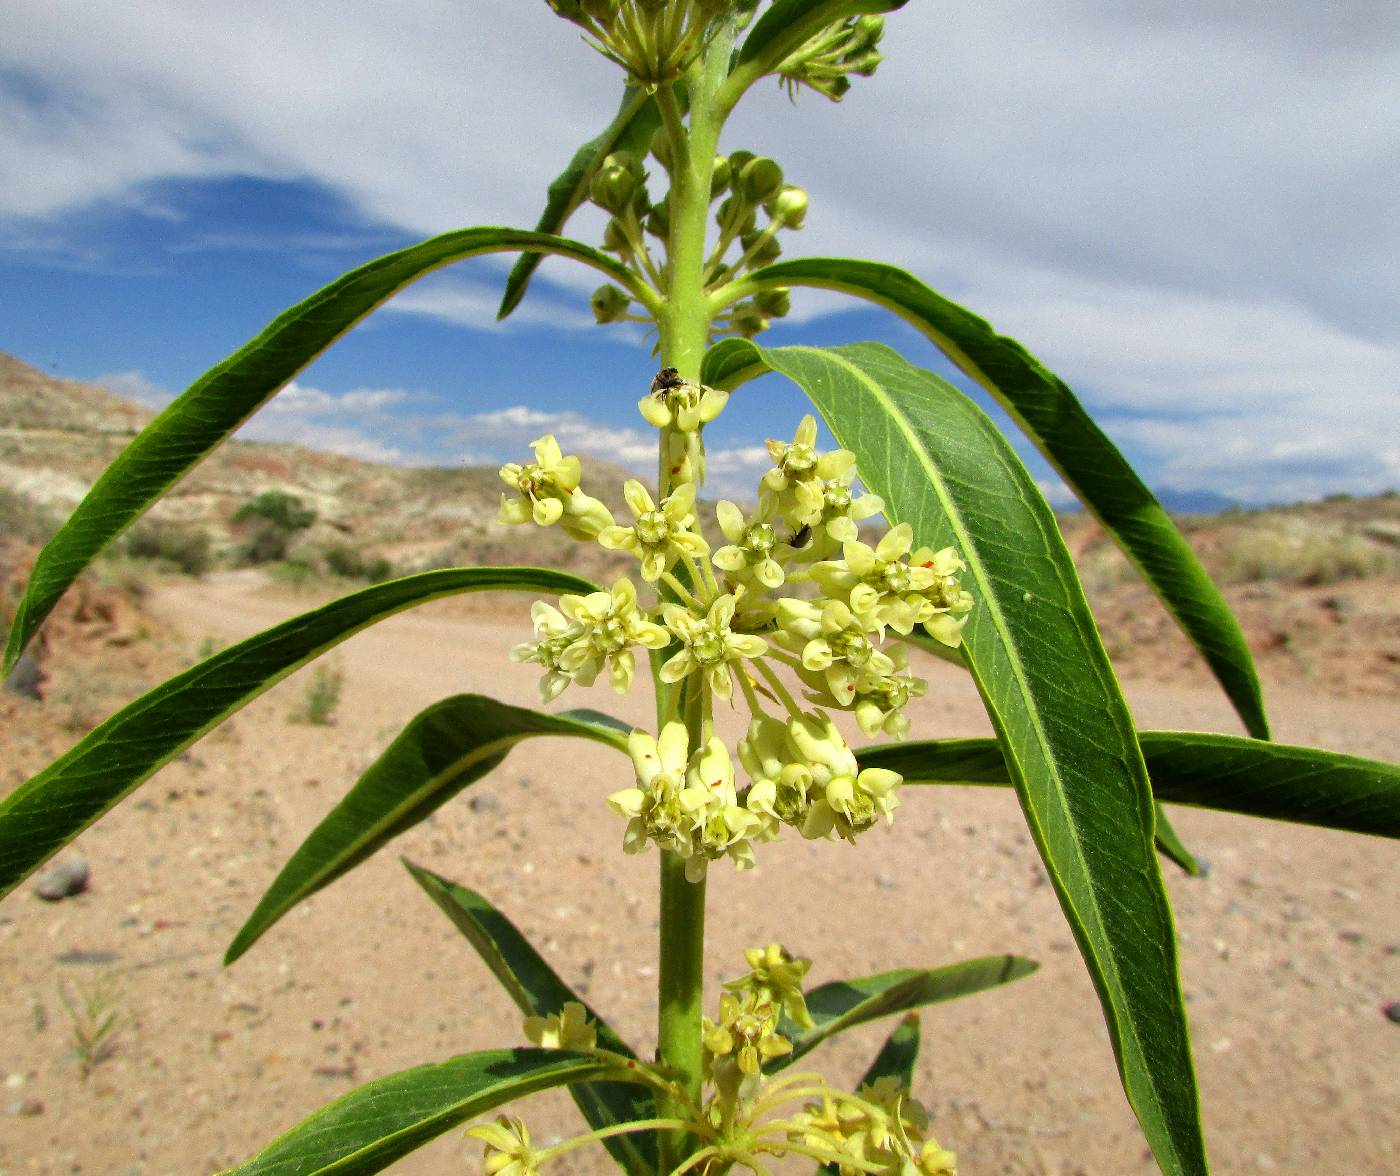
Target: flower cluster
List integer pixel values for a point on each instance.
(794, 592)
(741, 1115)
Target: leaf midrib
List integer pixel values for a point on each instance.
(968, 552)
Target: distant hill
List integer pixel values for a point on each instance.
(57, 436)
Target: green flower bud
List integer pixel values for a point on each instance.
(767, 253)
(570, 10)
(761, 179)
(618, 183)
(737, 160)
(614, 238)
(602, 11)
(865, 33)
(748, 320)
(789, 207)
(661, 148)
(609, 303)
(719, 177)
(866, 64)
(659, 220)
(774, 303)
(735, 210)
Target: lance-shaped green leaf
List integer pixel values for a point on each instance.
(1170, 845)
(53, 807)
(895, 1060)
(1227, 772)
(443, 749)
(630, 130)
(224, 397)
(844, 1004)
(538, 991)
(1053, 419)
(368, 1129)
(1034, 653)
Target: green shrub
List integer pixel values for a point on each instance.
(187, 548)
(272, 518)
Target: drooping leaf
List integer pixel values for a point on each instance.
(1169, 845)
(1251, 777)
(1053, 419)
(224, 397)
(1034, 653)
(630, 130)
(443, 749)
(537, 990)
(844, 1004)
(368, 1129)
(54, 806)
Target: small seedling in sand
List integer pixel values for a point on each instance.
(320, 698)
(93, 1021)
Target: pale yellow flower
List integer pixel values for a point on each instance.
(846, 800)
(568, 1029)
(604, 625)
(752, 543)
(680, 403)
(659, 536)
(508, 1149)
(547, 492)
(709, 645)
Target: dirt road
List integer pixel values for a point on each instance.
(1290, 947)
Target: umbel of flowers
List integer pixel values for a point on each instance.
(743, 1113)
(791, 618)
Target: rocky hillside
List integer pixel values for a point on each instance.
(56, 437)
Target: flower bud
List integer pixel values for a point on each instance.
(768, 251)
(865, 33)
(735, 213)
(760, 180)
(774, 303)
(866, 63)
(661, 147)
(609, 303)
(789, 207)
(659, 220)
(719, 177)
(737, 160)
(618, 183)
(748, 320)
(615, 238)
(602, 11)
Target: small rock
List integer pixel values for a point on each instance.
(1349, 936)
(885, 881)
(27, 678)
(27, 1108)
(483, 803)
(62, 880)
(1203, 867)
(1392, 1012)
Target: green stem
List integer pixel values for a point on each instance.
(680, 990)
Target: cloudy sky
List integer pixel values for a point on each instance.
(1190, 209)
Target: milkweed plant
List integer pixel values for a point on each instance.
(794, 608)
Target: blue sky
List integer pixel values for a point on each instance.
(1187, 209)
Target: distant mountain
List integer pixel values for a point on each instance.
(1194, 502)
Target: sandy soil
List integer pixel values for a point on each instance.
(1290, 946)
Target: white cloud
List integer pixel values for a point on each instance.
(1185, 209)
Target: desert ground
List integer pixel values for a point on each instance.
(1290, 946)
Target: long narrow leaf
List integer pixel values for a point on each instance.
(1052, 417)
(630, 130)
(53, 807)
(443, 749)
(537, 990)
(1035, 655)
(225, 396)
(368, 1129)
(844, 1004)
(1170, 845)
(1227, 772)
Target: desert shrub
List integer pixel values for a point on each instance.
(271, 519)
(187, 548)
(344, 560)
(24, 519)
(320, 698)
